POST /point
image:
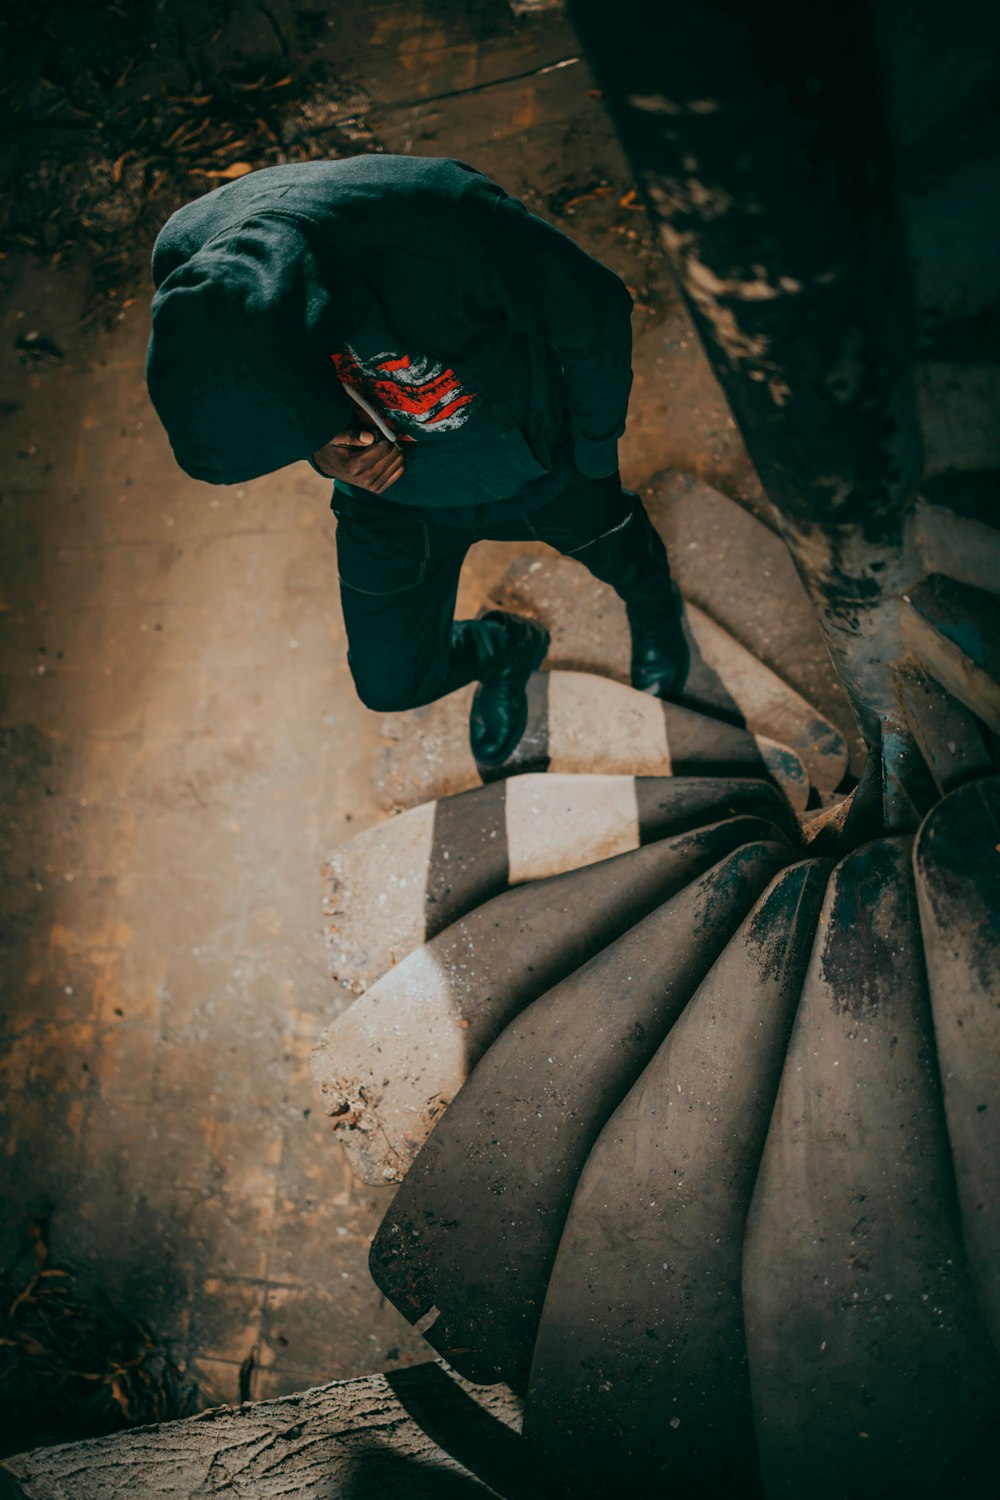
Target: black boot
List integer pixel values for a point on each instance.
(631, 558)
(661, 657)
(660, 653)
(500, 706)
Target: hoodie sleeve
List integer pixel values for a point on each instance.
(554, 289)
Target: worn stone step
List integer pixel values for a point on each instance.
(956, 528)
(389, 1066)
(953, 630)
(639, 1377)
(870, 1370)
(908, 788)
(416, 1434)
(957, 861)
(590, 633)
(948, 736)
(470, 1237)
(581, 724)
(740, 572)
(822, 832)
(394, 886)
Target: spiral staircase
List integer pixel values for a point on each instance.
(680, 1036)
(690, 1089)
(696, 1143)
(684, 1065)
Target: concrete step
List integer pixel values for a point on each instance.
(908, 789)
(741, 573)
(590, 633)
(389, 1066)
(472, 1233)
(953, 630)
(957, 862)
(581, 724)
(870, 1370)
(394, 886)
(823, 831)
(956, 528)
(646, 1284)
(415, 1434)
(949, 737)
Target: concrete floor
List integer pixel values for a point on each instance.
(182, 747)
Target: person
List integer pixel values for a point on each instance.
(459, 367)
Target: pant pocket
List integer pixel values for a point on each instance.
(618, 529)
(585, 512)
(381, 555)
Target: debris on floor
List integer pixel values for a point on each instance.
(73, 1365)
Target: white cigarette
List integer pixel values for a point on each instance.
(366, 406)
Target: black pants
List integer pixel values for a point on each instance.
(399, 570)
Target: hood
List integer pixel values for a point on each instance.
(246, 314)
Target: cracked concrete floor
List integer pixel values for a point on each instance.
(182, 746)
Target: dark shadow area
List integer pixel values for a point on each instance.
(380, 1474)
(73, 1365)
(458, 1424)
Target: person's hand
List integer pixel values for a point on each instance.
(360, 457)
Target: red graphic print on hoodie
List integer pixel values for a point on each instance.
(412, 392)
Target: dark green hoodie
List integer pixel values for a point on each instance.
(496, 350)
